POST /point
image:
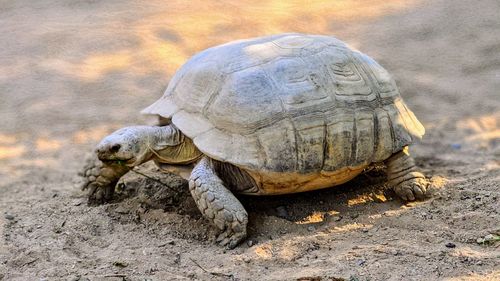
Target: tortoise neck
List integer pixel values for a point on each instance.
(173, 147)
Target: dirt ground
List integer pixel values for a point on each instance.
(73, 71)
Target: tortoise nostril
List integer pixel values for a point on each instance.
(115, 147)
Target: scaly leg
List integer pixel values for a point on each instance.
(218, 204)
(404, 177)
(100, 178)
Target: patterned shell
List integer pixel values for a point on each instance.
(288, 103)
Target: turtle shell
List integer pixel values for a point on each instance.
(291, 103)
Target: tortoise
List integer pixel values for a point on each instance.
(266, 116)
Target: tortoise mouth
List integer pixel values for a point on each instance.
(127, 161)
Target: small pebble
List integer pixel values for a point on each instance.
(489, 237)
(450, 245)
(360, 262)
(77, 203)
(120, 264)
(250, 243)
(170, 242)
(9, 216)
(311, 228)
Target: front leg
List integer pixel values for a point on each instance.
(100, 179)
(404, 177)
(218, 204)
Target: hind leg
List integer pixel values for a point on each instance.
(218, 204)
(404, 177)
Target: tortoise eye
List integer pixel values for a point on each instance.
(115, 147)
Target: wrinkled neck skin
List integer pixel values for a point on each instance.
(168, 145)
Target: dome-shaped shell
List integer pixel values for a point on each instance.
(288, 103)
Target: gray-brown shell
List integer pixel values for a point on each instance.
(289, 103)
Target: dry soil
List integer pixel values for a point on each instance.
(73, 71)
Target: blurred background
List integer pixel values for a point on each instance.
(73, 71)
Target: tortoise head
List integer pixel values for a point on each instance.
(129, 145)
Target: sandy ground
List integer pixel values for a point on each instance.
(73, 71)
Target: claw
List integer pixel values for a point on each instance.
(224, 242)
(419, 194)
(233, 244)
(409, 195)
(222, 236)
